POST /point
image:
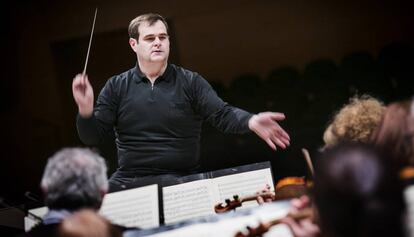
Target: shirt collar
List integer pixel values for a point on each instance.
(139, 76)
(55, 216)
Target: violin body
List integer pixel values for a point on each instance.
(290, 187)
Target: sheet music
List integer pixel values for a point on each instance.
(243, 184)
(188, 200)
(136, 207)
(198, 198)
(30, 221)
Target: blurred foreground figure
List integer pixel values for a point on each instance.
(358, 193)
(395, 138)
(74, 178)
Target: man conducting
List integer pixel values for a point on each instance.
(157, 110)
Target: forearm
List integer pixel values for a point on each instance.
(89, 130)
(230, 119)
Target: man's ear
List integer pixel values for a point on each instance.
(133, 43)
(103, 192)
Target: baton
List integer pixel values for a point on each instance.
(90, 42)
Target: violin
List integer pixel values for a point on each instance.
(237, 201)
(286, 188)
(264, 227)
(407, 173)
(294, 187)
(290, 187)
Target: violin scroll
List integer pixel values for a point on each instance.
(237, 201)
(229, 205)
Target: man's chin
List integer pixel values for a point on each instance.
(158, 59)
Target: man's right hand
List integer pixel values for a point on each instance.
(83, 94)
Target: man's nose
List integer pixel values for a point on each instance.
(157, 41)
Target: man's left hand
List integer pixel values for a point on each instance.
(265, 126)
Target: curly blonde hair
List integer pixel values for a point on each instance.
(356, 121)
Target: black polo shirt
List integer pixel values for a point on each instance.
(158, 126)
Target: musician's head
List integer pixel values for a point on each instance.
(149, 39)
(355, 121)
(74, 178)
(357, 193)
(395, 134)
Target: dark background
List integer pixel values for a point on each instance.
(303, 58)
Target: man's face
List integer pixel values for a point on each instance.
(153, 43)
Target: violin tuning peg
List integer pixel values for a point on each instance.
(227, 201)
(236, 197)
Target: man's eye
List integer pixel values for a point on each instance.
(162, 37)
(149, 39)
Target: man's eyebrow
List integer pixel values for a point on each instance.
(152, 35)
(149, 35)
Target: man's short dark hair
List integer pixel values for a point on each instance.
(151, 18)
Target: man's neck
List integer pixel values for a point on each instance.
(152, 70)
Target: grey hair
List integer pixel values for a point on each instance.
(74, 178)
